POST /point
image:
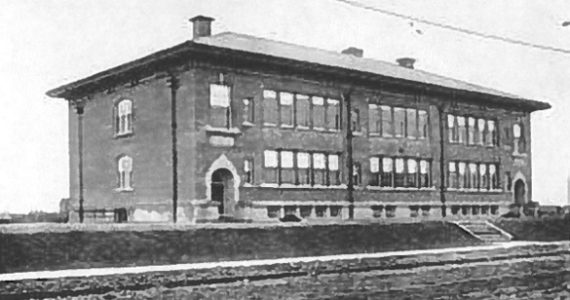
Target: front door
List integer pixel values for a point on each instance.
(222, 191)
(520, 191)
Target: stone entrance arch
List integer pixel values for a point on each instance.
(222, 185)
(519, 192)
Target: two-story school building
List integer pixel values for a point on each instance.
(239, 127)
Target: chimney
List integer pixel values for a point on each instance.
(353, 51)
(406, 62)
(202, 26)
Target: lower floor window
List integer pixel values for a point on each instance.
(400, 172)
(301, 168)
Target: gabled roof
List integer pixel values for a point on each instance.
(281, 50)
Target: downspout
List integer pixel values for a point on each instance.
(442, 159)
(79, 109)
(349, 155)
(174, 85)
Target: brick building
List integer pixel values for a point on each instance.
(247, 128)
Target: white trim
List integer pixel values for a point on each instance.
(222, 163)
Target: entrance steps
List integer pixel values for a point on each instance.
(484, 231)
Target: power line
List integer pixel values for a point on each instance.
(455, 28)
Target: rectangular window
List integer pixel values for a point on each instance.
(425, 172)
(411, 123)
(461, 177)
(286, 109)
(319, 169)
(423, 125)
(303, 111)
(412, 173)
(356, 174)
(452, 175)
(481, 130)
(483, 177)
(473, 176)
(374, 171)
(303, 168)
(471, 131)
(461, 130)
(248, 170)
(387, 176)
(333, 114)
(318, 112)
(491, 133)
(451, 129)
(374, 119)
(400, 175)
(333, 174)
(355, 119)
(399, 122)
(387, 128)
(494, 178)
(220, 110)
(270, 164)
(248, 111)
(287, 173)
(270, 116)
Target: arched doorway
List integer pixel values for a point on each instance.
(520, 192)
(222, 191)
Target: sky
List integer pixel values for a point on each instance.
(44, 44)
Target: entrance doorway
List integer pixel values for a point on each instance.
(222, 188)
(520, 191)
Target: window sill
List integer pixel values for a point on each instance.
(406, 189)
(222, 130)
(123, 135)
(357, 133)
(287, 126)
(474, 190)
(247, 124)
(269, 125)
(519, 155)
(301, 127)
(301, 186)
(124, 190)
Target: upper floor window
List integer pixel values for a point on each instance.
(270, 110)
(220, 109)
(452, 129)
(461, 130)
(519, 144)
(355, 119)
(470, 131)
(491, 133)
(125, 172)
(423, 124)
(481, 131)
(333, 114)
(399, 122)
(318, 113)
(303, 111)
(248, 170)
(411, 123)
(374, 119)
(124, 117)
(286, 109)
(387, 128)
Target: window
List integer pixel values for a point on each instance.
(471, 131)
(461, 177)
(411, 178)
(493, 177)
(303, 168)
(355, 119)
(411, 123)
(386, 121)
(399, 122)
(318, 112)
(270, 164)
(220, 110)
(334, 174)
(473, 181)
(333, 114)
(481, 131)
(286, 109)
(248, 171)
(124, 117)
(273, 211)
(377, 211)
(305, 211)
(287, 173)
(423, 126)
(400, 177)
(319, 169)
(390, 211)
(461, 130)
(270, 116)
(519, 144)
(303, 111)
(375, 171)
(425, 173)
(125, 172)
(483, 177)
(491, 133)
(320, 211)
(374, 119)
(451, 129)
(248, 111)
(356, 174)
(508, 181)
(452, 175)
(387, 175)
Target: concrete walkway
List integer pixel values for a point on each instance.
(249, 263)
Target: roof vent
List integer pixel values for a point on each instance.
(353, 51)
(406, 62)
(202, 26)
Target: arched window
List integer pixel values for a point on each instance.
(124, 117)
(125, 171)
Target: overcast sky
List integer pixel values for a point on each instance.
(46, 43)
